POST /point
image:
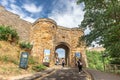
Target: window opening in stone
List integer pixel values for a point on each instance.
(63, 36)
(53, 26)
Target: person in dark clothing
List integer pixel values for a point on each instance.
(79, 64)
(63, 62)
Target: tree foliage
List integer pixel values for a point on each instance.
(97, 61)
(103, 19)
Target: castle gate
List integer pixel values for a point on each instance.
(46, 36)
(66, 47)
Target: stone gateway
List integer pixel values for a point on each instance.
(46, 37)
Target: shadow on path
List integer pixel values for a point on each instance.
(65, 74)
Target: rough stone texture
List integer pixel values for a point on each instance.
(9, 19)
(46, 34)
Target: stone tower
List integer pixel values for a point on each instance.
(42, 37)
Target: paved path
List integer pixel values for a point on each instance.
(98, 75)
(55, 73)
(65, 74)
(59, 73)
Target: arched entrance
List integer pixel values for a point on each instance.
(65, 52)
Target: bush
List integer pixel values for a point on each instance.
(94, 60)
(7, 33)
(26, 45)
(115, 61)
(39, 67)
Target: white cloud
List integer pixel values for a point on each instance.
(65, 12)
(4, 2)
(32, 8)
(30, 19)
(7, 2)
(71, 16)
(17, 10)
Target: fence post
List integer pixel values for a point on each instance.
(115, 68)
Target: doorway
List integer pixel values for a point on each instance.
(62, 51)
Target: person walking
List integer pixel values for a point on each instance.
(63, 62)
(79, 64)
(57, 61)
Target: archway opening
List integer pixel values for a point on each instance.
(62, 51)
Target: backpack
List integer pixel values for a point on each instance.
(79, 63)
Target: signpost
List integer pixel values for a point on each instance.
(23, 60)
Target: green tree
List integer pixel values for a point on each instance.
(96, 62)
(103, 19)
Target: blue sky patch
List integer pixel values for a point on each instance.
(65, 12)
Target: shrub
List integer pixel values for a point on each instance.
(94, 60)
(115, 61)
(39, 67)
(26, 45)
(7, 33)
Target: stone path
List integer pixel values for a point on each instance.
(54, 73)
(65, 74)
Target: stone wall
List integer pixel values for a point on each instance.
(9, 19)
(42, 37)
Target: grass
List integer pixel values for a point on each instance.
(9, 60)
(39, 67)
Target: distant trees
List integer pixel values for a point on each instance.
(103, 19)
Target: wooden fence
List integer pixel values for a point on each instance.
(112, 68)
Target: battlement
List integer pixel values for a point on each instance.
(45, 20)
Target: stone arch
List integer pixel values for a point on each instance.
(66, 47)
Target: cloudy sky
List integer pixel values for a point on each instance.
(65, 12)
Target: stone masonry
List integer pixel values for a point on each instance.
(45, 34)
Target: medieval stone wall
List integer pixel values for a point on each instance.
(46, 34)
(9, 19)
(42, 37)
